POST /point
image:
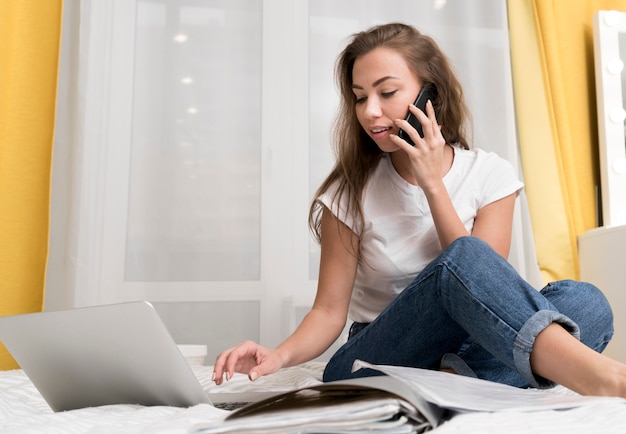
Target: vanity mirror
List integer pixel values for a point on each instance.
(610, 56)
(601, 250)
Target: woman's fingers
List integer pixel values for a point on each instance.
(239, 358)
(247, 358)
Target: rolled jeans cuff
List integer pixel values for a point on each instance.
(525, 340)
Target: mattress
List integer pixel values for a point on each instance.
(23, 410)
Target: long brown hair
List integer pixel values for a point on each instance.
(357, 154)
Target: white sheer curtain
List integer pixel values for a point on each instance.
(194, 196)
(184, 174)
(152, 197)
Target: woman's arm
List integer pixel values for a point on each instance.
(493, 223)
(327, 318)
(320, 327)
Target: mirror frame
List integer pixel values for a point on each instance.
(609, 72)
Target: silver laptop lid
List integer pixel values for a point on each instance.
(110, 354)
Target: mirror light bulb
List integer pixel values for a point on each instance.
(615, 66)
(619, 166)
(612, 18)
(618, 115)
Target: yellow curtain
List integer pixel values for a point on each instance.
(29, 56)
(554, 87)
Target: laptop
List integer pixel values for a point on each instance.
(109, 354)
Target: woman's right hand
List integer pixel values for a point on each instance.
(246, 358)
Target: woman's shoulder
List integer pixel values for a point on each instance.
(487, 171)
(480, 158)
(479, 164)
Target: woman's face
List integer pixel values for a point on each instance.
(384, 86)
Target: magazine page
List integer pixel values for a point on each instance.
(460, 393)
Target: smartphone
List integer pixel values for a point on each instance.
(428, 92)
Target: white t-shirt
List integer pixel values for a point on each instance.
(399, 237)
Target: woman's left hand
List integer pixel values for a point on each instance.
(427, 155)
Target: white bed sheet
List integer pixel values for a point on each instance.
(23, 411)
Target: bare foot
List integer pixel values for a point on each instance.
(562, 358)
(610, 381)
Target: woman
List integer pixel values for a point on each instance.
(414, 241)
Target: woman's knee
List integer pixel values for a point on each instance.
(586, 305)
(467, 244)
(464, 249)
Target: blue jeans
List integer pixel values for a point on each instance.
(469, 310)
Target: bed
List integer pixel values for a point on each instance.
(23, 410)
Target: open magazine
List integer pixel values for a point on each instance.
(404, 400)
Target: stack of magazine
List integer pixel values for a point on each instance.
(403, 400)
